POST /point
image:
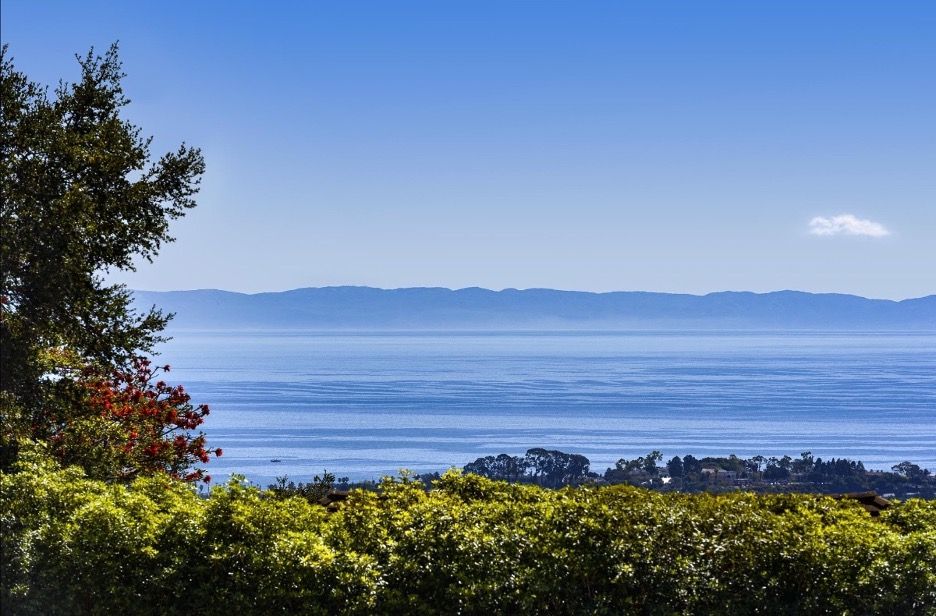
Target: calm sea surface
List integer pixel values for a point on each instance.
(364, 405)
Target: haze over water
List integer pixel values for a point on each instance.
(367, 404)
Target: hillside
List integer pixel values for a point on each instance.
(355, 308)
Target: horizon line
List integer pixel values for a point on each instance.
(527, 289)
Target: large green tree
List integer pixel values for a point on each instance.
(81, 196)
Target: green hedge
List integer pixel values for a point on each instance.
(73, 545)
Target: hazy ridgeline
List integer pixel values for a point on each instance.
(365, 308)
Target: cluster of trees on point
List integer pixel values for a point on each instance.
(552, 468)
(807, 471)
(545, 467)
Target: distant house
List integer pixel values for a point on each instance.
(332, 501)
(872, 503)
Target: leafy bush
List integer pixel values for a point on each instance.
(470, 545)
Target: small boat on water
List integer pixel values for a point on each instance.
(275, 460)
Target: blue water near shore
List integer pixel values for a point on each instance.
(367, 404)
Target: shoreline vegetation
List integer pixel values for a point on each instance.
(805, 473)
(688, 474)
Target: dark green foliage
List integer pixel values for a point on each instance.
(911, 471)
(81, 196)
(675, 467)
(774, 473)
(555, 469)
(549, 468)
(691, 465)
(471, 546)
(640, 470)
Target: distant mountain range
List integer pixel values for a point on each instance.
(430, 308)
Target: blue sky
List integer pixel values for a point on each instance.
(665, 146)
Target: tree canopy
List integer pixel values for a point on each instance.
(82, 195)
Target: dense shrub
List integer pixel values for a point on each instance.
(471, 545)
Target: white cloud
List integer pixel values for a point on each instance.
(846, 224)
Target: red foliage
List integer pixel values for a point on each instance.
(148, 424)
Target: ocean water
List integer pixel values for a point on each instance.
(364, 405)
